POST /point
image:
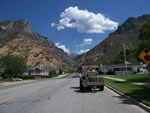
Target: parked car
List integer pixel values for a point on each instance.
(16, 79)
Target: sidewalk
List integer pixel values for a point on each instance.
(61, 76)
(128, 81)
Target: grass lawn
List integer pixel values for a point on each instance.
(134, 77)
(139, 93)
(6, 80)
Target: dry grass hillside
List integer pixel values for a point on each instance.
(34, 52)
(18, 38)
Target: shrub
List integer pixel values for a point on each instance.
(110, 72)
(26, 77)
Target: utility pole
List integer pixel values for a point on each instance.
(125, 57)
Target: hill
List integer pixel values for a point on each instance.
(18, 38)
(110, 50)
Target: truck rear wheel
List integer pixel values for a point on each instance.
(81, 86)
(101, 88)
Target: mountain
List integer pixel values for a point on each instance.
(18, 38)
(111, 49)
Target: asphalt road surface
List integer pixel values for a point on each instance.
(62, 96)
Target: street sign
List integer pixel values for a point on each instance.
(145, 56)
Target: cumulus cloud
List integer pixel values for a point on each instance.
(53, 24)
(84, 21)
(59, 27)
(62, 47)
(83, 51)
(86, 41)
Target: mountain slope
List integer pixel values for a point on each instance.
(108, 50)
(17, 38)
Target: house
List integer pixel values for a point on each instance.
(121, 69)
(38, 71)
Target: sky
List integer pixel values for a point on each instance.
(75, 26)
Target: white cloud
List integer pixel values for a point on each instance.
(83, 51)
(60, 27)
(84, 21)
(53, 24)
(62, 47)
(86, 41)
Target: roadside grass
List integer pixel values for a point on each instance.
(139, 93)
(133, 77)
(26, 78)
(6, 80)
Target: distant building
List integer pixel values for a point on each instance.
(143, 69)
(38, 71)
(121, 69)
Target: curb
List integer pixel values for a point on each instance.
(141, 105)
(61, 76)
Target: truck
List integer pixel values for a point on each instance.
(89, 78)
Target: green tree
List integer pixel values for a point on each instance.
(145, 31)
(144, 36)
(61, 71)
(13, 66)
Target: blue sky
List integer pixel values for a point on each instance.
(73, 25)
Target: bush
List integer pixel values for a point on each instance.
(110, 72)
(61, 71)
(46, 77)
(52, 73)
(26, 77)
(49, 76)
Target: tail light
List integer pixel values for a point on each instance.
(101, 81)
(83, 81)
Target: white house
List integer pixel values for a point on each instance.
(35, 71)
(121, 69)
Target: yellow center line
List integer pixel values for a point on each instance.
(15, 87)
(6, 99)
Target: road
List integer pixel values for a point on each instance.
(62, 96)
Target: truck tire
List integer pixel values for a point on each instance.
(101, 88)
(81, 86)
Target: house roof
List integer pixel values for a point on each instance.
(41, 68)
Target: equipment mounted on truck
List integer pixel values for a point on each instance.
(90, 79)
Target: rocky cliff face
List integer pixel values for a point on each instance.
(18, 38)
(108, 50)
